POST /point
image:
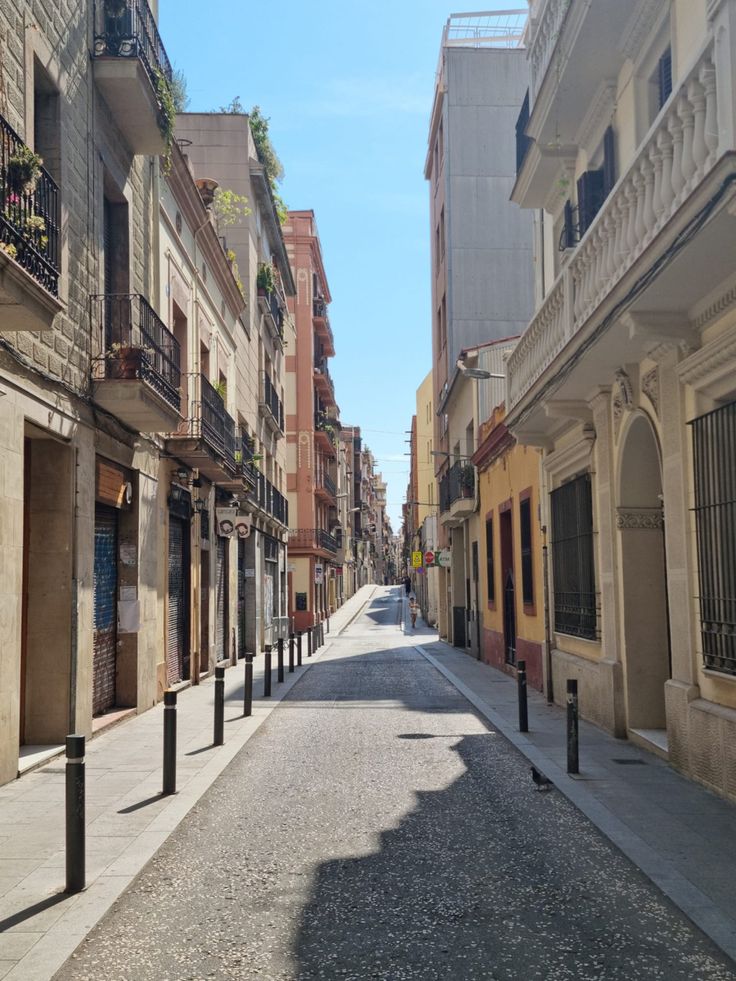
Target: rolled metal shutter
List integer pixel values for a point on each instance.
(176, 619)
(241, 598)
(104, 657)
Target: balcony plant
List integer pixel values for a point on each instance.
(265, 281)
(126, 360)
(23, 171)
(116, 8)
(467, 479)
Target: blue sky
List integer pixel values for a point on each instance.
(348, 86)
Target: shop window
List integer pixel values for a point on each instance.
(572, 559)
(527, 567)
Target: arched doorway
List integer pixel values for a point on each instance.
(640, 520)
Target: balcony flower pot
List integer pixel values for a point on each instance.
(467, 480)
(115, 8)
(124, 361)
(264, 280)
(23, 171)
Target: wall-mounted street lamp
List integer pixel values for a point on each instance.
(479, 373)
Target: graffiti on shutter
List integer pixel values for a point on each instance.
(105, 590)
(177, 647)
(221, 599)
(241, 598)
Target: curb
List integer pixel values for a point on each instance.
(698, 907)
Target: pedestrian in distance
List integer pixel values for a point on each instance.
(413, 611)
(407, 585)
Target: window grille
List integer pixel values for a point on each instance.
(525, 531)
(489, 561)
(664, 77)
(572, 559)
(714, 452)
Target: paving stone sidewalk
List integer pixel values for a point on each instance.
(127, 818)
(677, 832)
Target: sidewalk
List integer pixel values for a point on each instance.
(127, 818)
(680, 835)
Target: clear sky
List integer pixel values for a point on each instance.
(348, 86)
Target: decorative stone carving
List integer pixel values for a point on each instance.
(650, 387)
(640, 519)
(623, 397)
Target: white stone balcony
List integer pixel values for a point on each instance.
(680, 166)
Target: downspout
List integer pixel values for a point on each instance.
(74, 632)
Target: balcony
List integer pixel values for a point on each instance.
(324, 488)
(323, 384)
(312, 540)
(322, 327)
(271, 501)
(271, 407)
(206, 439)
(325, 433)
(132, 70)
(273, 307)
(138, 377)
(29, 240)
(244, 478)
(457, 493)
(681, 172)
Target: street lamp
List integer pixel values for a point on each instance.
(479, 373)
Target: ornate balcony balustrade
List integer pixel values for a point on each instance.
(207, 438)
(681, 149)
(271, 405)
(271, 501)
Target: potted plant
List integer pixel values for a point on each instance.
(115, 8)
(125, 360)
(264, 280)
(23, 171)
(467, 480)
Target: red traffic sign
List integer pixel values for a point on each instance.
(429, 558)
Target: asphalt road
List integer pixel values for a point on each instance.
(376, 828)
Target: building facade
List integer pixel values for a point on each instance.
(482, 261)
(625, 375)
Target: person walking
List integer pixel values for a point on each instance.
(407, 585)
(413, 611)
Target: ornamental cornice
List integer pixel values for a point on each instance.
(640, 519)
(600, 111)
(716, 309)
(712, 366)
(638, 28)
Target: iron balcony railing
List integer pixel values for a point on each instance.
(320, 367)
(127, 29)
(244, 459)
(271, 399)
(457, 484)
(329, 484)
(29, 213)
(312, 538)
(271, 501)
(138, 345)
(210, 421)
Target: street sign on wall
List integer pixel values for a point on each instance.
(319, 575)
(444, 558)
(429, 558)
(416, 560)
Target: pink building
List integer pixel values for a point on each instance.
(312, 432)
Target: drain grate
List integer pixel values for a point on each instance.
(630, 762)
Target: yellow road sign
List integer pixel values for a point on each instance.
(416, 560)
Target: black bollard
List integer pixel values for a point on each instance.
(267, 673)
(572, 726)
(521, 685)
(169, 742)
(291, 653)
(75, 809)
(219, 739)
(299, 649)
(328, 623)
(280, 658)
(248, 687)
(309, 641)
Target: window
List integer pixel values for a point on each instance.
(664, 77)
(523, 142)
(490, 570)
(714, 451)
(572, 559)
(527, 569)
(442, 234)
(46, 121)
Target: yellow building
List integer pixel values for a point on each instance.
(511, 573)
(426, 581)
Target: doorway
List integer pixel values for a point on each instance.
(647, 660)
(509, 590)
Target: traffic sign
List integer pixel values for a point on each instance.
(429, 558)
(445, 558)
(416, 560)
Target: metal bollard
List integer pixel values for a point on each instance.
(219, 738)
(75, 810)
(169, 742)
(328, 623)
(291, 653)
(521, 684)
(299, 649)
(309, 641)
(280, 659)
(572, 726)
(267, 673)
(248, 687)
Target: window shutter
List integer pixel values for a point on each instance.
(567, 240)
(609, 161)
(665, 77)
(590, 198)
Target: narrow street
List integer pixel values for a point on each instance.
(376, 828)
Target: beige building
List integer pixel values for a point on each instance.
(625, 376)
(225, 161)
(427, 506)
(89, 374)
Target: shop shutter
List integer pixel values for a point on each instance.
(221, 599)
(177, 647)
(104, 655)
